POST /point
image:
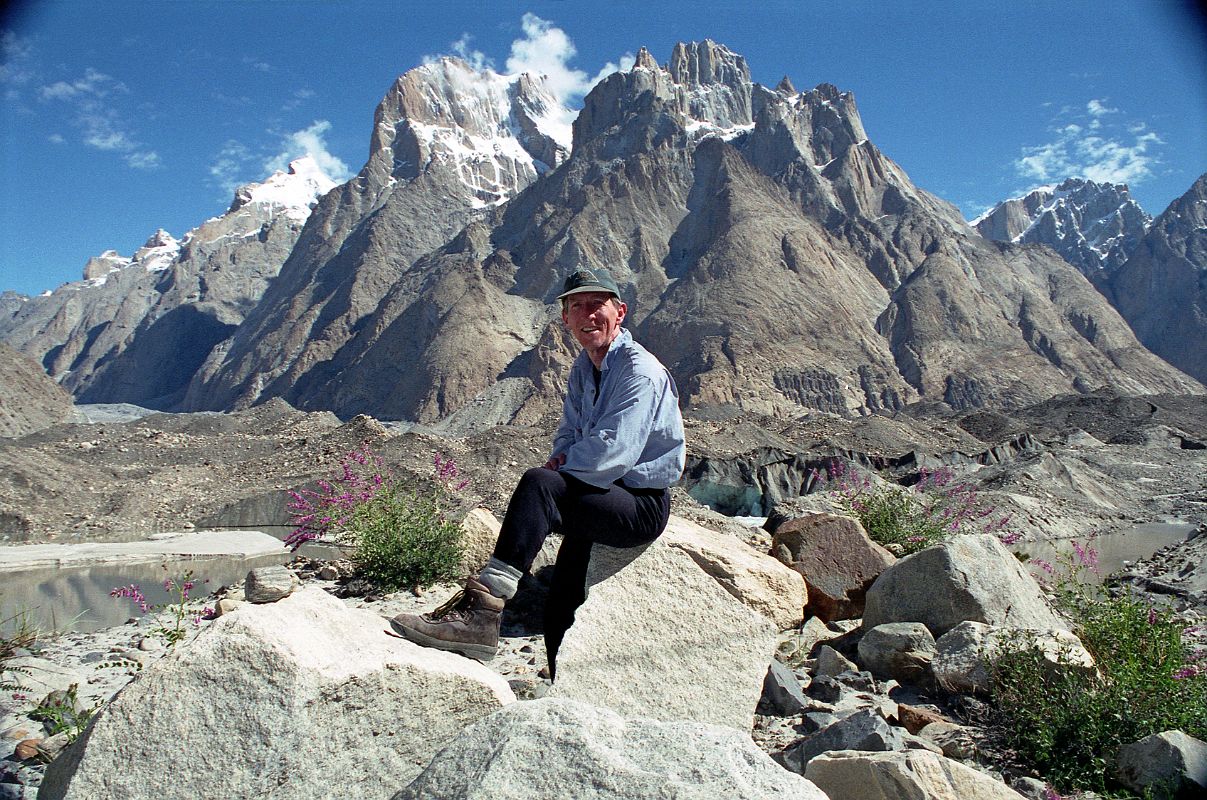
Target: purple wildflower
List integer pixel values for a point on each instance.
(1152, 615)
(1188, 672)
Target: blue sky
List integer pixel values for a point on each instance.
(118, 118)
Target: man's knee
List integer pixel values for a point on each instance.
(540, 480)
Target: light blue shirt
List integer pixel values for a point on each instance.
(631, 430)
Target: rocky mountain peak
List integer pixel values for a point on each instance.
(705, 89)
(785, 86)
(294, 193)
(99, 267)
(1092, 225)
(495, 132)
(645, 60)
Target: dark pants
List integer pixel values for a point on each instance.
(545, 501)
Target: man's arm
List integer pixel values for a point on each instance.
(569, 426)
(619, 437)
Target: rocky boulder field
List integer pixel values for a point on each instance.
(795, 659)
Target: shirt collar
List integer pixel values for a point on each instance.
(623, 338)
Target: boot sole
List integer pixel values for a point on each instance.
(479, 652)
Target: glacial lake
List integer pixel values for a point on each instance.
(77, 598)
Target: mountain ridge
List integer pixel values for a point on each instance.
(772, 256)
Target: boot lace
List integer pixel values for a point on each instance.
(451, 607)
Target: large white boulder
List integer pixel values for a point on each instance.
(971, 577)
(963, 653)
(559, 748)
(916, 774)
(658, 638)
(300, 698)
(776, 591)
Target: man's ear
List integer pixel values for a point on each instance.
(621, 310)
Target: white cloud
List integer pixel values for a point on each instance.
(475, 58)
(546, 50)
(310, 141)
(93, 84)
(56, 138)
(1095, 146)
(229, 166)
(143, 159)
(14, 56)
(94, 105)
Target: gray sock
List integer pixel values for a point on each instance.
(501, 578)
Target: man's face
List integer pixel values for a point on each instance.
(594, 319)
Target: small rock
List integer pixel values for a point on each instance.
(782, 692)
(1029, 787)
(831, 662)
(863, 730)
(915, 718)
(226, 605)
(901, 650)
(151, 644)
(50, 747)
(954, 740)
(328, 573)
(26, 749)
(826, 689)
(269, 584)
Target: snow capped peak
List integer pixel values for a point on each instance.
(294, 192)
(497, 132)
(1091, 225)
(159, 252)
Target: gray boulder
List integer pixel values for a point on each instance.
(863, 730)
(567, 749)
(782, 691)
(269, 584)
(913, 774)
(658, 638)
(960, 663)
(1168, 764)
(265, 703)
(900, 650)
(972, 577)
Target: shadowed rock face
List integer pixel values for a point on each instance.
(136, 329)
(29, 399)
(1162, 289)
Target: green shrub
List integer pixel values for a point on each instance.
(915, 518)
(399, 537)
(1069, 724)
(60, 713)
(402, 539)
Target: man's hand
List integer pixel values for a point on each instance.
(556, 462)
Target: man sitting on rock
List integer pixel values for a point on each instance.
(618, 449)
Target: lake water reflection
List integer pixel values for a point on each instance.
(77, 598)
(1114, 549)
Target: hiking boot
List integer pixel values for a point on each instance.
(467, 624)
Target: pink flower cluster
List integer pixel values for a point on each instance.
(322, 512)
(135, 594)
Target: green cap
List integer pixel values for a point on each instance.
(589, 280)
